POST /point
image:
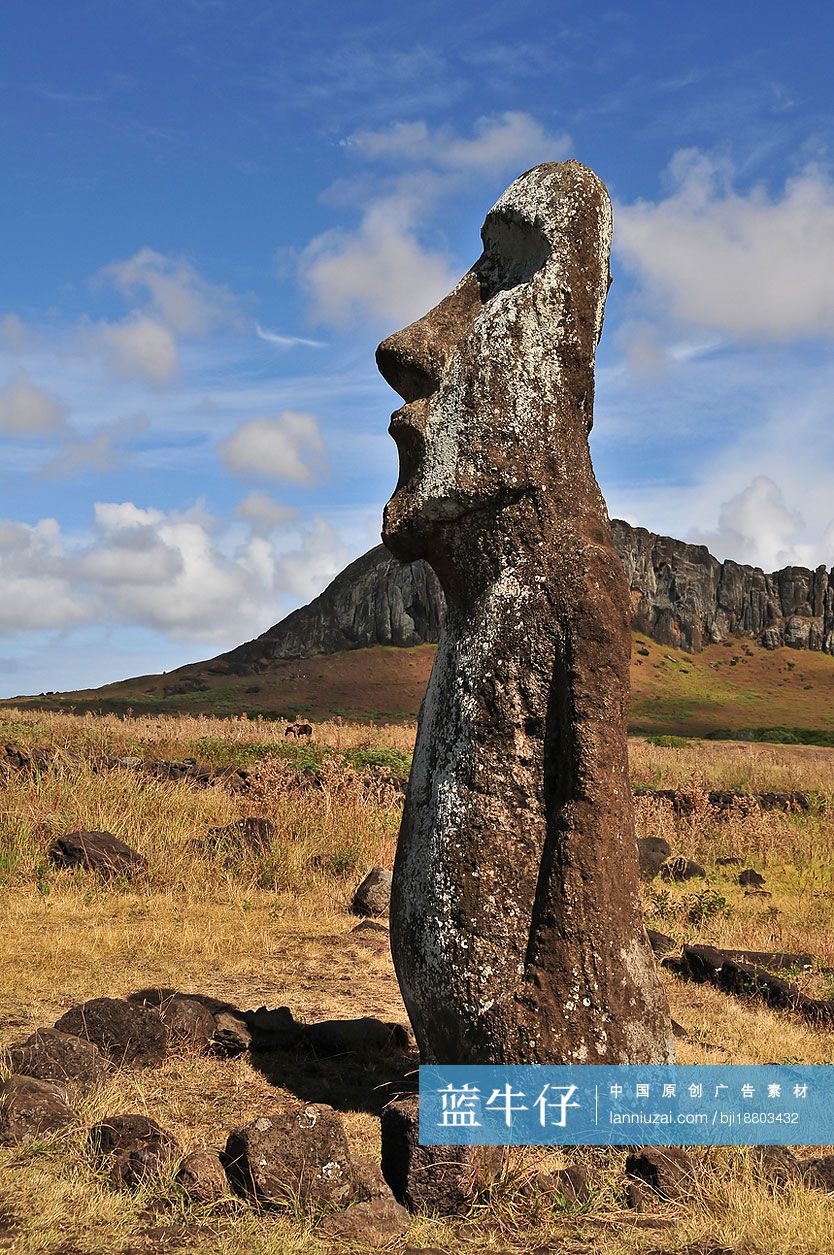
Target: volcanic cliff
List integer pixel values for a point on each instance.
(681, 596)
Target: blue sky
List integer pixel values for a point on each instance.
(214, 209)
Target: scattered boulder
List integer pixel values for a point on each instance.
(776, 1164)
(652, 853)
(729, 860)
(202, 1178)
(819, 1173)
(189, 1023)
(231, 1036)
(751, 878)
(667, 1170)
(660, 943)
(566, 1186)
(368, 1181)
(30, 1108)
(253, 833)
(130, 1148)
(49, 1055)
(298, 1154)
(439, 1180)
(299, 730)
(373, 896)
(124, 1031)
(681, 868)
(100, 852)
(371, 1224)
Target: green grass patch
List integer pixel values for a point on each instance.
(775, 736)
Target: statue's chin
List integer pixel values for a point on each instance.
(403, 531)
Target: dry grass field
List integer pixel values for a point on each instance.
(274, 929)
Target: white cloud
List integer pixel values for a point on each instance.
(184, 574)
(756, 526)
(386, 267)
(27, 410)
(750, 265)
(498, 145)
(37, 590)
(176, 294)
(288, 446)
(286, 342)
(382, 268)
(305, 571)
(102, 451)
(265, 515)
(138, 347)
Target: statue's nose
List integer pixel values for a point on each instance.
(414, 360)
(407, 363)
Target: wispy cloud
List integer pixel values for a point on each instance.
(387, 267)
(287, 342)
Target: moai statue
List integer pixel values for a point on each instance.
(516, 927)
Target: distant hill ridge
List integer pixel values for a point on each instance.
(681, 596)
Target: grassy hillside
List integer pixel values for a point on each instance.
(731, 686)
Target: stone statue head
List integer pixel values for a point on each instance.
(497, 379)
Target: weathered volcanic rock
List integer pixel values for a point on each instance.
(97, 851)
(372, 1224)
(299, 1154)
(202, 1177)
(189, 1023)
(252, 833)
(30, 1108)
(51, 1055)
(652, 853)
(364, 1036)
(667, 1170)
(438, 1180)
(819, 1173)
(131, 1148)
(373, 897)
(681, 868)
(518, 821)
(124, 1031)
(776, 1164)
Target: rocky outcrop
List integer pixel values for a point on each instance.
(374, 601)
(680, 595)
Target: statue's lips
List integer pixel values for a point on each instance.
(411, 445)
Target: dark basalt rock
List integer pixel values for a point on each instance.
(296, 1155)
(50, 1055)
(130, 1148)
(373, 896)
(751, 878)
(31, 1108)
(202, 1178)
(252, 833)
(652, 853)
(666, 1170)
(681, 868)
(100, 852)
(124, 1031)
(438, 1180)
